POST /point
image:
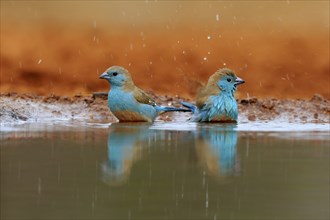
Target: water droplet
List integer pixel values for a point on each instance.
(39, 185)
(209, 37)
(207, 199)
(224, 64)
(205, 58)
(217, 17)
(39, 61)
(287, 77)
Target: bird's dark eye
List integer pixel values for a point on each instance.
(115, 74)
(229, 80)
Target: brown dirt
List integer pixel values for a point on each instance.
(15, 108)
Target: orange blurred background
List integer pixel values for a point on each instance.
(280, 48)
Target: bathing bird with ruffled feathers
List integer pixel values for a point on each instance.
(216, 102)
(127, 102)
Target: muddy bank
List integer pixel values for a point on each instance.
(16, 108)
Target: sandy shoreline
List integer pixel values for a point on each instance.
(17, 108)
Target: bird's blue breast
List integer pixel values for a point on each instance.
(125, 107)
(223, 107)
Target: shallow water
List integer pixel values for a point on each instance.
(164, 171)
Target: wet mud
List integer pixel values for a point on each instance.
(15, 108)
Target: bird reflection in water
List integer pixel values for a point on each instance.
(125, 144)
(216, 149)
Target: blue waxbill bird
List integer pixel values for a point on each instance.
(128, 102)
(216, 102)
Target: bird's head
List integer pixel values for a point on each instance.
(226, 80)
(117, 76)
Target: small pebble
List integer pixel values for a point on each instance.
(252, 117)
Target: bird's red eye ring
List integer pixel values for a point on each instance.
(115, 74)
(229, 80)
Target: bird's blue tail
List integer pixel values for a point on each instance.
(193, 108)
(171, 109)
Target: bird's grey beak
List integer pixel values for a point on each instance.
(104, 76)
(239, 81)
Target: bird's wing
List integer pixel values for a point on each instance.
(204, 94)
(201, 99)
(142, 97)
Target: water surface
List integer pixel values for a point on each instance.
(141, 171)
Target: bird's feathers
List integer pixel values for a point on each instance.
(142, 97)
(204, 94)
(212, 87)
(128, 102)
(193, 108)
(215, 102)
(127, 116)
